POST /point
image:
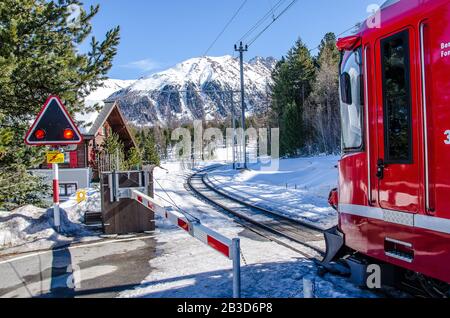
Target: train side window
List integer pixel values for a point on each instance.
(346, 88)
(397, 98)
(351, 103)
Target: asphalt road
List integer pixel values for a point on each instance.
(100, 270)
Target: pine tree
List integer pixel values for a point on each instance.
(150, 154)
(38, 58)
(291, 141)
(293, 79)
(324, 101)
(134, 160)
(112, 144)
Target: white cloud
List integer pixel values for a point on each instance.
(145, 65)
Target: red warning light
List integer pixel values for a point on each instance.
(40, 134)
(68, 134)
(53, 126)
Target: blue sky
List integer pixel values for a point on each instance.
(158, 34)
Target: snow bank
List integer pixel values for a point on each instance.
(29, 228)
(298, 189)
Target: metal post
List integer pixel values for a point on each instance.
(141, 179)
(241, 51)
(56, 211)
(111, 181)
(309, 287)
(236, 268)
(116, 186)
(233, 116)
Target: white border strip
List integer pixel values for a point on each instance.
(363, 211)
(432, 223)
(419, 221)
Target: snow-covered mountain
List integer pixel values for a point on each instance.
(97, 97)
(195, 89)
(109, 87)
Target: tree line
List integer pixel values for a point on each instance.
(305, 100)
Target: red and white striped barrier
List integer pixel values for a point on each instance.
(211, 238)
(228, 248)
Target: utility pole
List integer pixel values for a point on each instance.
(233, 118)
(241, 49)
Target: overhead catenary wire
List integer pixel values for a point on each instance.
(172, 202)
(291, 4)
(357, 25)
(226, 27)
(271, 8)
(168, 195)
(269, 14)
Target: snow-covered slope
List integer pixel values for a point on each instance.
(298, 189)
(195, 89)
(109, 87)
(97, 97)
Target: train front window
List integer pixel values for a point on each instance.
(397, 99)
(351, 101)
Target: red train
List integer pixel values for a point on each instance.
(394, 176)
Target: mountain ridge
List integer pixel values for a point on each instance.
(198, 88)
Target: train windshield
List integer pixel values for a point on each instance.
(351, 100)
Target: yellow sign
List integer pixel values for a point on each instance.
(81, 196)
(55, 157)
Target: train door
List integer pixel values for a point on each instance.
(397, 157)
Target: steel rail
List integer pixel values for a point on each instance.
(272, 226)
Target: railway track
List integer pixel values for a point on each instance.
(303, 238)
(274, 227)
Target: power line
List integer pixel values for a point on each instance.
(338, 35)
(269, 14)
(225, 28)
(271, 8)
(273, 21)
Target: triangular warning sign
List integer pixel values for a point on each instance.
(53, 126)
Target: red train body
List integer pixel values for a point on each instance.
(394, 178)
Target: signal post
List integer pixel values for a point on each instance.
(55, 128)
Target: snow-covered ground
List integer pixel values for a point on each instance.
(299, 189)
(184, 267)
(30, 228)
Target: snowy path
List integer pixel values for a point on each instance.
(185, 267)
